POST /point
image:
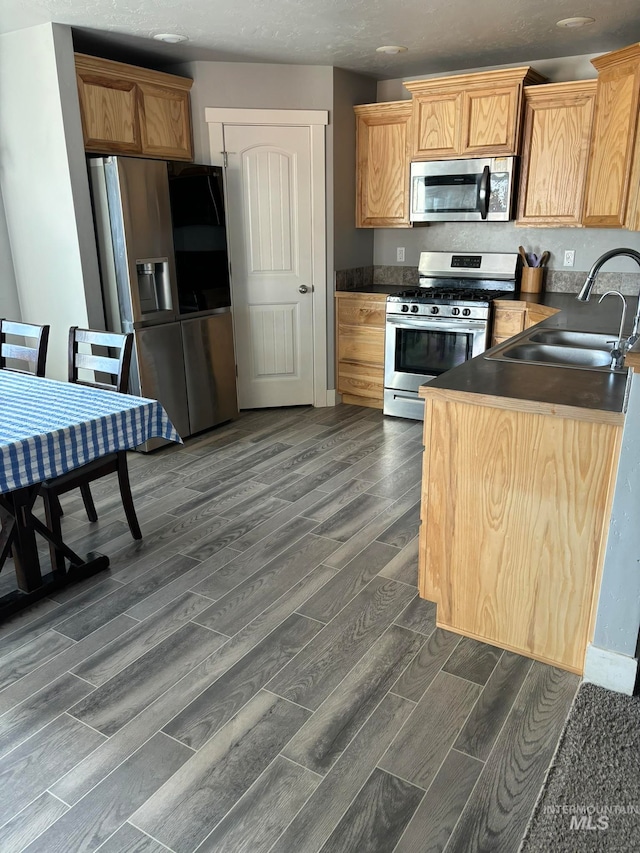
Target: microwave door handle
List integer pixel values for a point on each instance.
(483, 193)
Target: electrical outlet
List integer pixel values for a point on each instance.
(400, 254)
(569, 257)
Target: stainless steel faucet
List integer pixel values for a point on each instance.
(587, 287)
(619, 346)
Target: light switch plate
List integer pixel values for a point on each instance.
(400, 253)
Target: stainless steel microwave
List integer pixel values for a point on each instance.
(477, 190)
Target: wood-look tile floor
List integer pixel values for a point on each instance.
(258, 673)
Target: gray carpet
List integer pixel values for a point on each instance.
(591, 798)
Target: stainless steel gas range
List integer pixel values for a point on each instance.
(441, 323)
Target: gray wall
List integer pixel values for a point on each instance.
(353, 246)
(9, 305)
(589, 243)
(45, 188)
(252, 86)
(505, 237)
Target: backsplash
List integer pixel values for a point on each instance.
(354, 279)
(556, 281)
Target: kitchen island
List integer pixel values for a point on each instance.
(519, 470)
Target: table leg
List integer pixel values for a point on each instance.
(25, 550)
(18, 533)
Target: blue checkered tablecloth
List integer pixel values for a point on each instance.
(48, 428)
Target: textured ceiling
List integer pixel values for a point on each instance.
(442, 35)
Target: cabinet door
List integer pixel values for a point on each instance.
(108, 108)
(510, 542)
(507, 321)
(490, 121)
(557, 128)
(611, 166)
(382, 165)
(164, 122)
(437, 121)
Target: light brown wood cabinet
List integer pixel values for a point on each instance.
(469, 115)
(131, 110)
(555, 151)
(512, 539)
(382, 165)
(613, 179)
(360, 319)
(512, 317)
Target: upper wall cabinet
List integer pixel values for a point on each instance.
(555, 150)
(382, 165)
(613, 180)
(131, 110)
(471, 115)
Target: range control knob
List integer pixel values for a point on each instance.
(455, 312)
(466, 312)
(404, 308)
(414, 309)
(435, 309)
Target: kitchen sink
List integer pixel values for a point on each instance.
(559, 348)
(566, 337)
(561, 355)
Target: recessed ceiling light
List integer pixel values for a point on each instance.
(170, 38)
(392, 48)
(575, 22)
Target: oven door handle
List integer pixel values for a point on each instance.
(434, 324)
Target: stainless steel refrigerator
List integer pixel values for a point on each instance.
(161, 237)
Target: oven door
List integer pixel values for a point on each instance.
(417, 349)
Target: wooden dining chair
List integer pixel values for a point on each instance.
(115, 365)
(33, 357)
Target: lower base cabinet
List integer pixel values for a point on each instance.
(515, 513)
(360, 319)
(510, 318)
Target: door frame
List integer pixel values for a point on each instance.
(315, 120)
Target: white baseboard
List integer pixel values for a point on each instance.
(326, 397)
(610, 669)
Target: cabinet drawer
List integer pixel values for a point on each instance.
(508, 322)
(361, 381)
(361, 345)
(367, 312)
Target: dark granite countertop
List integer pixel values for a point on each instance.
(560, 386)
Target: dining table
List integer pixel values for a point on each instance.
(48, 428)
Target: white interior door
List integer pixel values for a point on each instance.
(269, 217)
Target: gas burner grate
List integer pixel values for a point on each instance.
(452, 293)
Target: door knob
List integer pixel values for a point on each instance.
(303, 288)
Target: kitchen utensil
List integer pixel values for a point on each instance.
(544, 258)
(533, 259)
(523, 255)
